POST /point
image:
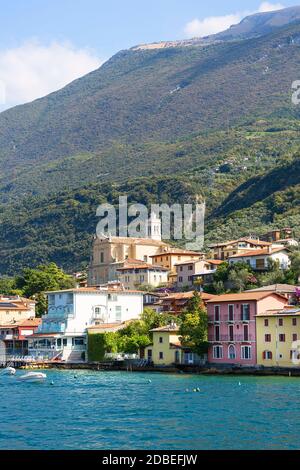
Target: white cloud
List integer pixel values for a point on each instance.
(266, 6)
(33, 70)
(216, 24)
(210, 25)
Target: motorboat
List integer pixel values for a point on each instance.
(33, 377)
(8, 371)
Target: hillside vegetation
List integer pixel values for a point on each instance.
(170, 124)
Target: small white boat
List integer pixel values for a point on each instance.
(8, 371)
(33, 377)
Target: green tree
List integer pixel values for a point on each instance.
(295, 265)
(194, 324)
(33, 282)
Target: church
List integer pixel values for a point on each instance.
(111, 253)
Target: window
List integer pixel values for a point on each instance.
(180, 278)
(218, 352)
(59, 342)
(161, 340)
(231, 352)
(282, 338)
(267, 355)
(149, 354)
(246, 333)
(101, 257)
(181, 269)
(190, 278)
(161, 355)
(190, 267)
(77, 342)
(260, 263)
(217, 333)
(246, 352)
(268, 338)
(295, 337)
(118, 312)
(294, 321)
(266, 322)
(231, 333)
(245, 312)
(280, 322)
(217, 313)
(230, 312)
(65, 341)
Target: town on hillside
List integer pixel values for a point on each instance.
(147, 304)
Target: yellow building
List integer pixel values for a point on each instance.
(278, 338)
(222, 251)
(165, 349)
(169, 258)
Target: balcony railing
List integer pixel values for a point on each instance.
(231, 339)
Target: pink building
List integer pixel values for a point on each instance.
(232, 325)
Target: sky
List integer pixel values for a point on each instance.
(46, 44)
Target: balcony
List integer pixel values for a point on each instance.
(231, 339)
(61, 311)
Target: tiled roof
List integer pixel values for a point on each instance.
(247, 240)
(108, 326)
(285, 288)
(166, 329)
(187, 295)
(178, 252)
(136, 264)
(191, 261)
(34, 322)
(243, 296)
(262, 252)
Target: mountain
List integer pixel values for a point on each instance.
(260, 24)
(133, 113)
(160, 123)
(251, 26)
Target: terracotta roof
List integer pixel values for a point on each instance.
(13, 306)
(135, 264)
(263, 252)
(215, 261)
(245, 239)
(243, 296)
(191, 261)
(108, 326)
(187, 295)
(34, 322)
(177, 252)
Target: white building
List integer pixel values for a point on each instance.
(62, 334)
(137, 273)
(259, 259)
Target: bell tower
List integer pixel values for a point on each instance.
(154, 227)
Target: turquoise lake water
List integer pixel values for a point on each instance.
(116, 410)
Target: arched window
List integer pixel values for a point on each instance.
(231, 352)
